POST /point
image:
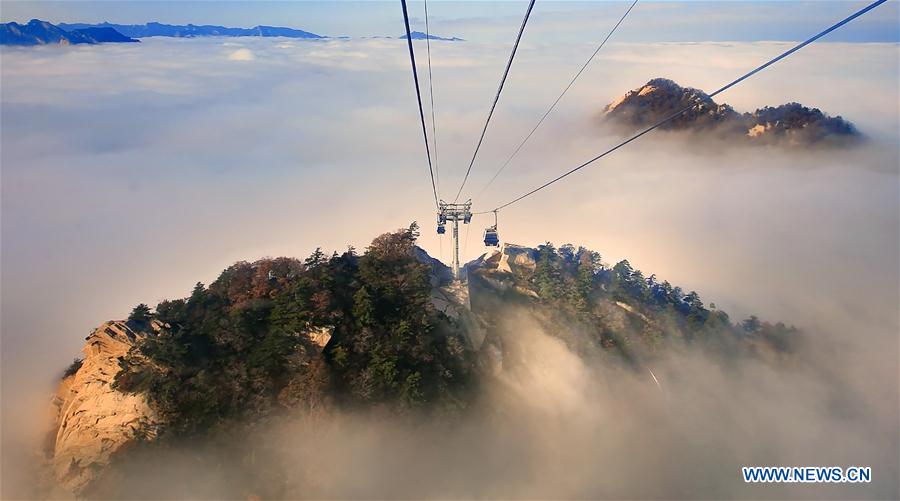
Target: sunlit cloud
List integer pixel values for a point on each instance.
(242, 55)
(179, 161)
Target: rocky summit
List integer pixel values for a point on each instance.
(790, 125)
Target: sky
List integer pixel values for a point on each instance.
(491, 21)
(132, 171)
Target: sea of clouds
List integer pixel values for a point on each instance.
(129, 172)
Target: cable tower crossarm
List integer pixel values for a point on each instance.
(671, 117)
(437, 171)
(512, 56)
(558, 99)
(412, 58)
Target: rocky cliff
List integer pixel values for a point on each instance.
(94, 421)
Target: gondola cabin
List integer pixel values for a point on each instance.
(491, 238)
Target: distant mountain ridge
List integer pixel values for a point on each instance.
(418, 35)
(154, 29)
(790, 124)
(37, 32)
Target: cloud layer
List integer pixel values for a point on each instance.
(129, 173)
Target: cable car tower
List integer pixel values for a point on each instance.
(455, 213)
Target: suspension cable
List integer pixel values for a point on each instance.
(558, 99)
(437, 171)
(412, 58)
(466, 242)
(512, 56)
(671, 117)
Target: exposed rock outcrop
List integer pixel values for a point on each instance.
(451, 299)
(660, 98)
(319, 336)
(440, 273)
(789, 124)
(93, 420)
(515, 257)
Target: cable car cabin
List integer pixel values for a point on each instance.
(441, 230)
(491, 239)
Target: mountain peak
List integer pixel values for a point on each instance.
(790, 124)
(661, 97)
(157, 29)
(418, 35)
(358, 331)
(37, 32)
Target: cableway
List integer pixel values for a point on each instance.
(558, 99)
(412, 58)
(671, 117)
(509, 63)
(437, 171)
(462, 212)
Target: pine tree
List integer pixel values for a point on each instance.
(546, 276)
(363, 309)
(315, 259)
(141, 314)
(588, 262)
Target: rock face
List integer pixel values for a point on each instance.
(451, 299)
(319, 336)
(660, 98)
(513, 257)
(93, 420)
(439, 273)
(789, 124)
